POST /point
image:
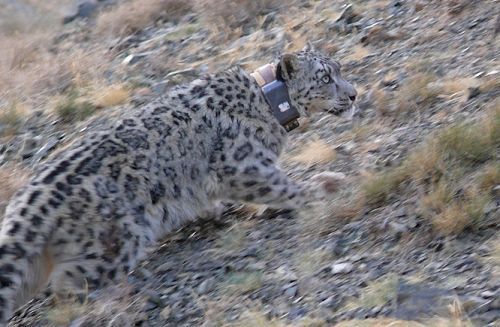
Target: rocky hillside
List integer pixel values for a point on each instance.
(411, 239)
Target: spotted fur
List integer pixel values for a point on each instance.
(89, 213)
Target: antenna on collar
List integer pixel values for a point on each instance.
(276, 94)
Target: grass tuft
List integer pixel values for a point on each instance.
(13, 178)
(441, 169)
(417, 93)
(110, 96)
(314, 152)
(133, 16)
(243, 282)
(11, 119)
(377, 189)
(72, 109)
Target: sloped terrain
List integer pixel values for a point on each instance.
(410, 240)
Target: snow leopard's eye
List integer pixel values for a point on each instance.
(326, 79)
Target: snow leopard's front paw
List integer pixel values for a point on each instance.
(326, 183)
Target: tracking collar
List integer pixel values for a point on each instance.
(276, 94)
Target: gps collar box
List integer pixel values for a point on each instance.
(276, 94)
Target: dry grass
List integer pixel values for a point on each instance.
(64, 313)
(453, 219)
(489, 177)
(110, 96)
(377, 293)
(377, 189)
(358, 52)
(442, 169)
(382, 102)
(34, 16)
(416, 93)
(115, 307)
(490, 83)
(13, 178)
(390, 322)
(135, 15)
(314, 152)
(230, 16)
(30, 74)
(11, 118)
(233, 238)
(309, 262)
(258, 319)
(70, 108)
(243, 282)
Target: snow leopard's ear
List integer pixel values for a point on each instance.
(287, 67)
(308, 47)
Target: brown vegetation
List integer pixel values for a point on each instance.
(441, 168)
(13, 178)
(133, 16)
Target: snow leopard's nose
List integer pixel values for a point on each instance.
(351, 92)
(348, 91)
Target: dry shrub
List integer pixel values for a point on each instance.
(358, 52)
(72, 108)
(135, 15)
(114, 307)
(13, 178)
(489, 177)
(416, 93)
(31, 74)
(381, 101)
(377, 189)
(242, 282)
(455, 170)
(227, 15)
(314, 152)
(426, 163)
(490, 83)
(260, 319)
(30, 16)
(390, 322)
(110, 96)
(11, 118)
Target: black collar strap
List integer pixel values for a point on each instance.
(276, 94)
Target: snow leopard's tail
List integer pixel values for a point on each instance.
(25, 264)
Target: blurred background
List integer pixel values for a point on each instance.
(412, 240)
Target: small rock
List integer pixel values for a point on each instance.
(135, 58)
(346, 148)
(143, 273)
(268, 20)
(46, 149)
(342, 128)
(331, 303)
(296, 313)
(348, 15)
(154, 301)
(120, 320)
(487, 294)
(165, 313)
(83, 10)
(29, 147)
(206, 286)
(169, 265)
(342, 268)
(496, 191)
(285, 273)
(290, 290)
(161, 87)
(473, 92)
